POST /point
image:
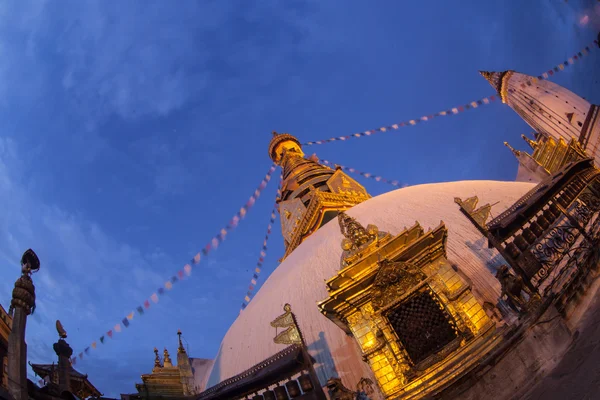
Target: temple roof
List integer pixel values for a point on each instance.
(288, 361)
(44, 370)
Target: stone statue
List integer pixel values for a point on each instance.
(337, 390)
(513, 287)
(61, 331)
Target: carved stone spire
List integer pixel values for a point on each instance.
(167, 359)
(64, 353)
(22, 304)
(157, 364)
(180, 349)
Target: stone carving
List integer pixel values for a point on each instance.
(513, 288)
(61, 331)
(337, 390)
(393, 280)
(23, 295)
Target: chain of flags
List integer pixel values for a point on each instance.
(458, 109)
(263, 251)
(213, 244)
(561, 67)
(365, 174)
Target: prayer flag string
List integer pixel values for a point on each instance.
(458, 109)
(365, 174)
(213, 244)
(263, 251)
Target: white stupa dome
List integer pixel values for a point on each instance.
(300, 279)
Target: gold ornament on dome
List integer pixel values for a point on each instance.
(292, 334)
(393, 281)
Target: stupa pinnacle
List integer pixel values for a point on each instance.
(311, 194)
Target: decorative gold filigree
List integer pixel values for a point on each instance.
(292, 334)
(394, 279)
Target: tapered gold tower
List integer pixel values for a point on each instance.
(311, 194)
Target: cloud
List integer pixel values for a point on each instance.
(81, 264)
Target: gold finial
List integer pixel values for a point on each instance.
(517, 153)
(281, 143)
(532, 143)
(355, 234)
(61, 331)
(180, 349)
(156, 359)
(167, 359)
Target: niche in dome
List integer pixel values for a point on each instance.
(422, 325)
(413, 315)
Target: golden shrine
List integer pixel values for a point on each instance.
(311, 194)
(411, 311)
(167, 380)
(549, 153)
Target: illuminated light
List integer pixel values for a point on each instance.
(584, 20)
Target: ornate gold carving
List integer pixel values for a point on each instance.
(292, 211)
(381, 277)
(393, 281)
(478, 216)
(292, 334)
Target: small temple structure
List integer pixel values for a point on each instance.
(171, 381)
(566, 125)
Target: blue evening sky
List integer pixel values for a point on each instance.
(132, 131)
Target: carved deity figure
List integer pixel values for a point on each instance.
(337, 390)
(513, 288)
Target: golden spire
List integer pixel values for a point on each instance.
(180, 349)
(517, 153)
(499, 81)
(532, 143)
(167, 361)
(156, 359)
(311, 193)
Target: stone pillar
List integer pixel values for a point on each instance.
(64, 353)
(21, 305)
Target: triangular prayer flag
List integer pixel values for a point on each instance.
(81, 356)
(154, 297)
(125, 322)
(130, 316)
(140, 310)
(174, 279)
(109, 333)
(87, 350)
(146, 304)
(180, 274)
(74, 360)
(93, 345)
(161, 290)
(102, 339)
(117, 328)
